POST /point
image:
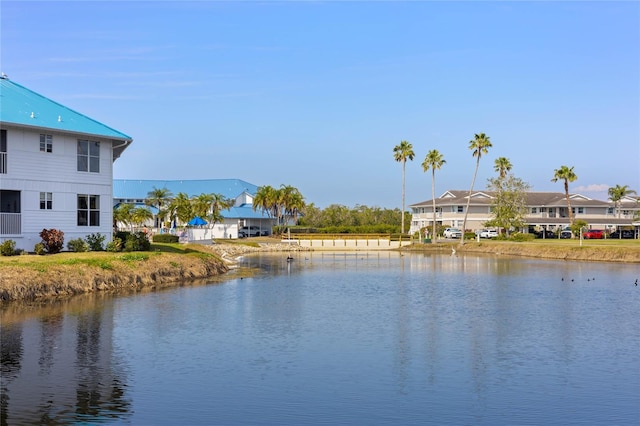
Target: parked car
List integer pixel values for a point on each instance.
(545, 234)
(452, 233)
(249, 231)
(593, 234)
(626, 234)
(488, 233)
(566, 234)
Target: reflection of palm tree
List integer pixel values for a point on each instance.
(433, 161)
(479, 145)
(567, 175)
(402, 153)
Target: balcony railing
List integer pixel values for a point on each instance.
(3, 162)
(10, 223)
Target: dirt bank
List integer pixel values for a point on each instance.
(33, 280)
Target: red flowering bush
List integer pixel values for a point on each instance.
(52, 240)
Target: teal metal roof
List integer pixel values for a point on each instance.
(129, 189)
(23, 107)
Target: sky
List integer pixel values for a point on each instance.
(316, 94)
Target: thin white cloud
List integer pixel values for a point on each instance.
(594, 187)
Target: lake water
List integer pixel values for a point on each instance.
(338, 338)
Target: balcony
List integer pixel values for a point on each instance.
(10, 223)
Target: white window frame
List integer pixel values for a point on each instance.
(46, 143)
(46, 201)
(88, 154)
(88, 210)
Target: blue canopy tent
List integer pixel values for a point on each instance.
(197, 221)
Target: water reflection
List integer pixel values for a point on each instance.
(337, 338)
(59, 365)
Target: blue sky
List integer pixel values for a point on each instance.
(316, 94)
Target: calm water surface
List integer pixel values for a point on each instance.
(335, 338)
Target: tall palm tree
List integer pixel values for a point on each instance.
(617, 193)
(567, 175)
(159, 198)
(479, 145)
(502, 165)
(434, 161)
(402, 153)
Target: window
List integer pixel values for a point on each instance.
(460, 209)
(3, 151)
(46, 143)
(610, 210)
(46, 201)
(543, 209)
(88, 210)
(88, 156)
(534, 210)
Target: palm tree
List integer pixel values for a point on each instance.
(402, 153)
(265, 200)
(140, 215)
(158, 198)
(218, 203)
(567, 175)
(433, 161)
(122, 214)
(182, 208)
(480, 144)
(502, 165)
(201, 205)
(292, 202)
(617, 193)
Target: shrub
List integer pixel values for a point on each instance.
(137, 241)
(8, 248)
(520, 237)
(78, 245)
(95, 241)
(39, 249)
(52, 240)
(165, 238)
(115, 245)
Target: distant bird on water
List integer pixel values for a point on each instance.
(636, 282)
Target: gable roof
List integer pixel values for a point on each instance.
(549, 199)
(23, 107)
(128, 189)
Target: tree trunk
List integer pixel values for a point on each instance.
(433, 198)
(466, 210)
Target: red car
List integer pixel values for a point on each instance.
(593, 234)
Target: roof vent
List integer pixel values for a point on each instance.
(59, 118)
(33, 115)
(4, 76)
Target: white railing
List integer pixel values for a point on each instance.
(10, 224)
(3, 162)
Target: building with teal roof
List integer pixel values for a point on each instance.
(240, 215)
(56, 168)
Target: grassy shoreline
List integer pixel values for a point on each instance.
(627, 251)
(32, 277)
